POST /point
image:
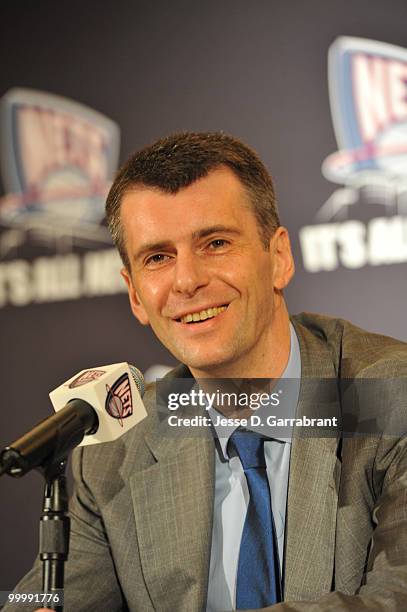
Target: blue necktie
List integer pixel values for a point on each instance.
(258, 574)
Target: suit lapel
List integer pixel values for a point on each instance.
(173, 505)
(314, 478)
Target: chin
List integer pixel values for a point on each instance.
(205, 363)
(204, 358)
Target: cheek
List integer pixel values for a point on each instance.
(153, 292)
(249, 278)
(236, 274)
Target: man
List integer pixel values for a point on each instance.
(161, 521)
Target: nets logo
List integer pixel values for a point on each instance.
(364, 222)
(58, 158)
(119, 402)
(86, 377)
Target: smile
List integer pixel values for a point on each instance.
(209, 313)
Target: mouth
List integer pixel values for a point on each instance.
(202, 315)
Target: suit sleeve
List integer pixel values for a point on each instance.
(91, 584)
(384, 587)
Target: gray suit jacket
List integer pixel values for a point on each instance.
(142, 508)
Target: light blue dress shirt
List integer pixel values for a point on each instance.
(232, 495)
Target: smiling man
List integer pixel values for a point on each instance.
(231, 519)
(201, 274)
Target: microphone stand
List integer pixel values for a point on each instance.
(47, 451)
(54, 532)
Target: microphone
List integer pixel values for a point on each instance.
(97, 405)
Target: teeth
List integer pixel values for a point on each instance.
(204, 314)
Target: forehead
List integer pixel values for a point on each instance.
(151, 214)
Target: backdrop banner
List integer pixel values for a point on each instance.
(319, 90)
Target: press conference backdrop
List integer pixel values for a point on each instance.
(317, 88)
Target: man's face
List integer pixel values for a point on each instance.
(200, 275)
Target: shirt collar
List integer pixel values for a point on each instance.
(289, 380)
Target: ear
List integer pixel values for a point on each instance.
(135, 303)
(280, 250)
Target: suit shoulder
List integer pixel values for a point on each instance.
(129, 451)
(355, 351)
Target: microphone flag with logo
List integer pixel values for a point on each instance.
(114, 391)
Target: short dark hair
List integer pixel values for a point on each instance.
(174, 162)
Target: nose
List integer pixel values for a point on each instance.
(190, 273)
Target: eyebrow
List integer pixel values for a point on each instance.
(215, 229)
(197, 235)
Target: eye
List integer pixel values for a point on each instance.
(218, 243)
(156, 259)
